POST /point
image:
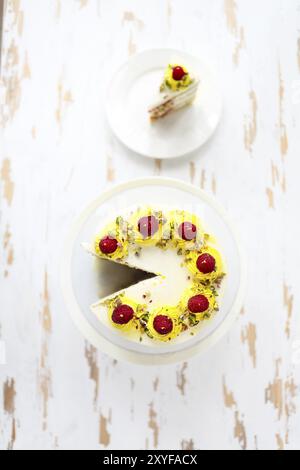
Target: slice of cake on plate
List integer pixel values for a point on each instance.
(178, 89)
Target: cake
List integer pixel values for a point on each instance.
(177, 89)
(186, 267)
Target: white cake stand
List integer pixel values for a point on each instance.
(82, 284)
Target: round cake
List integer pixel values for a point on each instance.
(186, 266)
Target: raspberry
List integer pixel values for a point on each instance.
(108, 245)
(148, 226)
(163, 324)
(198, 304)
(178, 73)
(187, 231)
(122, 314)
(206, 263)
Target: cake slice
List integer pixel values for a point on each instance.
(178, 89)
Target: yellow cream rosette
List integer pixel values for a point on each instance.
(194, 291)
(191, 259)
(173, 84)
(116, 231)
(172, 314)
(147, 227)
(182, 235)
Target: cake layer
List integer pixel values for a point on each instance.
(173, 100)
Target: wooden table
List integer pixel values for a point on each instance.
(57, 154)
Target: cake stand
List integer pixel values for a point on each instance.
(83, 282)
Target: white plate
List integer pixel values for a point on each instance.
(133, 89)
(83, 284)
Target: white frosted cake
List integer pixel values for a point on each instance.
(186, 266)
(178, 89)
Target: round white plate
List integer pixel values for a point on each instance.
(83, 284)
(134, 88)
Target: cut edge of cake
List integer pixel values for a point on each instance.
(174, 95)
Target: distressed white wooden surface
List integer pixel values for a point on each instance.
(57, 154)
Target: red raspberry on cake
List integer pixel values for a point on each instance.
(163, 324)
(148, 226)
(206, 263)
(108, 245)
(122, 314)
(198, 304)
(178, 73)
(187, 231)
